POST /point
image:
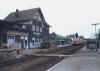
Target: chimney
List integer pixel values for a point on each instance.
(17, 13)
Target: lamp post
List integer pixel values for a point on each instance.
(95, 25)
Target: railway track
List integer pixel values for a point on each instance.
(39, 63)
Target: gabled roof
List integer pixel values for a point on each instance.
(26, 15)
(23, 15)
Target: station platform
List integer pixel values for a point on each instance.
(83, 60)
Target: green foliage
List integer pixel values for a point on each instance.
(60, 38)
(63, 38)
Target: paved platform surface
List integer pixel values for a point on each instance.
(83, 60)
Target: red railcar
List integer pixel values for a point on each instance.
(77, 41)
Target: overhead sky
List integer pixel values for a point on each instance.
(65, 16)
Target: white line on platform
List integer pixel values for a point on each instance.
(60, 55)
(53, 67)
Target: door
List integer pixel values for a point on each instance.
(10, 40)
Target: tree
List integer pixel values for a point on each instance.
(60, 38)
(63, 38)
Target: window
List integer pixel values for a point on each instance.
(46, 29)
(11, 37)
(36, 40)
(17, 38)
(37, 28)
(23, 26)
(33, 27)
(33, 42)
(40, 29)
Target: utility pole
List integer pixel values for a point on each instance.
(95, 28)
(95, 25)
